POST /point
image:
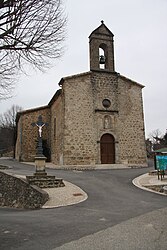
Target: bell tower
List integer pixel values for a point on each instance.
(101, 46)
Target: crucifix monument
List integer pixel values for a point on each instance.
(40, 159)
(40, 177)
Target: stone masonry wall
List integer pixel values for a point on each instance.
(79, 129)
(105, 86)
(15, 192)
(57, 126)
(85, 118)
(77, 120)
(27, 134)
(131, 123)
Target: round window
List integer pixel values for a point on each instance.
(106, 103)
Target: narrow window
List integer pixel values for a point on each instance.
(54, 127)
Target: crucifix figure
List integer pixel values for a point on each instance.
(40, 124)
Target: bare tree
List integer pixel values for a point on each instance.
(8, 128)
(8, 118)
(31, 32)
(158, 139)
(155, 136)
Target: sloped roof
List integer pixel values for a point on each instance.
(22, 112)
(102, 30)
(59, 91)
(54, 98)
(100, 71)
(73, 76)
(133, 82)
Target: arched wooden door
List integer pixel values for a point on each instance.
(107, 149)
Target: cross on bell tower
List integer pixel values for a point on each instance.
(101, 49)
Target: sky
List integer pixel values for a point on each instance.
(140, 46)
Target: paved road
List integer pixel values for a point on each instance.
(116, 216)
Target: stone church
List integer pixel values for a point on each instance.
(95, 117)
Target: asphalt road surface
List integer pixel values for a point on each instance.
(116, 216)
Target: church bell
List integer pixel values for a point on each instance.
(102, 60)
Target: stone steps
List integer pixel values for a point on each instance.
(45, 181)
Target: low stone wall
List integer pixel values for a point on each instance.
(16, 192)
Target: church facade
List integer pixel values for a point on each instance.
(94, 118)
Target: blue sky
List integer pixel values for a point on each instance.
(140, 39)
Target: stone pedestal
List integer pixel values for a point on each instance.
(40, 177)
(40, 166)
